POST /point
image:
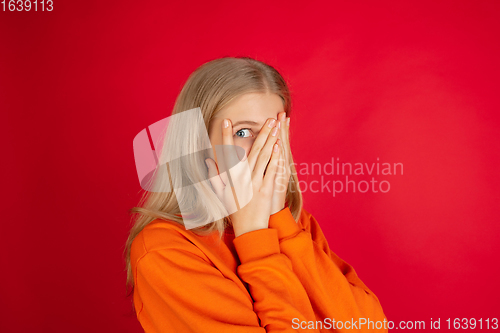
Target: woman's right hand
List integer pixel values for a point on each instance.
(255, 214)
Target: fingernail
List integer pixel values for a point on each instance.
(275, 131)
(271, 123)
(279, 124)
(275, 148)
(288, 121)
(226, 123)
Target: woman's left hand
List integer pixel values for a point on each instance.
(283, 173)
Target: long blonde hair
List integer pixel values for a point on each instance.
(211, 87)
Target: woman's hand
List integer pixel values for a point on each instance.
(284, 172)
(265, 152)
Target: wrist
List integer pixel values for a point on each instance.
(239, 232)
(277, 210)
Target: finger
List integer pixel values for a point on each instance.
(281, 182)
(265, 153)
(278, 142)
(282, 159)
(284, 133)
(285, 146)
(214, 178)
(280, 172)
(260, 141)
(269, 178)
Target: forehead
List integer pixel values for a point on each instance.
(255, 107)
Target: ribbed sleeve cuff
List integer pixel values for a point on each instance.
(284, 223)
(256, 244)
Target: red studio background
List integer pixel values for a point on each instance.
(404, 82)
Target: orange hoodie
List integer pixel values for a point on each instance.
(283, 278)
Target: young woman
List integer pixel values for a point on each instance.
(224, 248)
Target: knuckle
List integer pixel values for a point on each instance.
(266, 192)
(256, 146)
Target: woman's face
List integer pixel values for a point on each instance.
(247, 114)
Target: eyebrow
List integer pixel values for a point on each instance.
(249, 122)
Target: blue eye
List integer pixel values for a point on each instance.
(241, 133)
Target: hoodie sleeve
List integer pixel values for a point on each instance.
(180, 290)
(334, 289)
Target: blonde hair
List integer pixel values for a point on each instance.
(210, 87)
